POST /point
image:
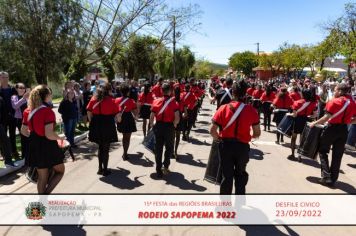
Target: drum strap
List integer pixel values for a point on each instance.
(347, 103)
(186, 96)
(234, 117)
(165, 106)
(32, 113)
(305, 105)
(227, 93)
(123, 102)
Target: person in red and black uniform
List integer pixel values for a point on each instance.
(102, 111)
(166, 112)
(145, 100)
(267, 98)
(194, 88)
(39, 123)
(128, 108)
(182, 125)
(189, 100)
(157, 89)
(339, 112)
(282, 105)
(295, 94)
(234, 146)
(301, 110)
(224, 95)
(256, 98)
(250, 91)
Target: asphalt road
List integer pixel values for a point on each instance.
(269, 172)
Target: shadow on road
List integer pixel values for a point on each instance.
(201, 131)
(178, 180)
(119, 179)
(65, 230)
(12, 177)
(352, 165)
(188, 159)
(338, 185)
(140, 160)
(256, 154)
(198, 142)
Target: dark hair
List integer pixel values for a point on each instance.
(313, 93)
(166, 88)
(177, 93)
(282, 93)
(187, 87)
(268, 90)
(146, 88)
(229, 82)
(103, 91)
(239, 90)
(307, 95)
(124, 89)
(343, 88)
(18, 85)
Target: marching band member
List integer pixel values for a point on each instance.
(294, 94)
(127, 125)
(179, 97)
(166, 113)
(234, 121)
(282, 104)
(157, 89)
(256, 97)
(102, 112)
(145, 100)
(267, 98)
(339, 112)
(38, 124)
(301, 110)
(224, 95)
(190, 101)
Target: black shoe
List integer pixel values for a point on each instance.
(194, 126)
(291, 158)
(184, 138)
(176, 156)
(11, 163)
(299, 159)
(159, 174)
(277, 142)
(125, 157)
(326, 181)
(106, 172)
(100, 172)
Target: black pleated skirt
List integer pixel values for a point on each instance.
(182, 125)
(102, 129)
(278, 116)
(43, 153)
(145, 112)
(127, 124)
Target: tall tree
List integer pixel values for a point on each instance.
(244, 61)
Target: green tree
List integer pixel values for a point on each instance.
(43, 33)
(244, 62)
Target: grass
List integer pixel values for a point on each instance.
(78, 131)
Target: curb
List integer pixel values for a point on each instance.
(9, 169)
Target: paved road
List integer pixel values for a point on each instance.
(269, 170)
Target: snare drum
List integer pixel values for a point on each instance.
(285, 127)
(213, 173)
(309, 141)
(149, 141)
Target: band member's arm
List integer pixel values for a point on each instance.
(135, 113)
(51, 134)
(152, 118)
(256, 131)
(214, 131)
(176, 118)
(322, 120)
(118, 117)
(24, 131)
(185, 114)
(353, 120)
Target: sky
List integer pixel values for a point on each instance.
(230, 26)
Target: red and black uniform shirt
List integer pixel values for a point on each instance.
(39, 120)
(270, 98)
(189, 100)
(295, 96)
(157, 91)
(247, 118)
(145, 98)
(168, 114)
(250, 91)
(181, 102)
(257, 94)
(283, 103)
(106, 107)
(335, 105)
(307, 111)
(128, 106)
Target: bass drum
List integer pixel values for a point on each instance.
(285, 127)
(213, 173)
(149, 141)
(309, 141)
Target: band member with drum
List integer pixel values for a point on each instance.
(301, 110)
(294, 94)
(39, 123)
(190, 101)
(339, 112)
(144, 104)
(128, 109)
(250, 90)
(157, 89)
(182, 125)
(282, 104)
(166, 112)
(224, 95)
(256, 98)
(234, 121)
(101, 112)
(267, 98)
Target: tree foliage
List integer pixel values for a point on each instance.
(244, 61)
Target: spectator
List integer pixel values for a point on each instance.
(87, 95)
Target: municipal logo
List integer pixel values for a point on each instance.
(35, 211)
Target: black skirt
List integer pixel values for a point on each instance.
(102, 129)
(278, 116)
(182, 125)
(127, 124)
(299, 123)
(43, 153)
(145, 112)
(266, 108)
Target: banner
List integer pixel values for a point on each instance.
(148, 209)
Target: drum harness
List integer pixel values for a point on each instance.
(234, 117)
(342, 110)
(167, 102)
(227, 93)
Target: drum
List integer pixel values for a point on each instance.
(256, 103)
(213, 173)
(351, 138)
(31, 174)
(149, 141)
(64, 145)
(309, 141)
(285, 127)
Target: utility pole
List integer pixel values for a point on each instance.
(174, 47)
(258, 49)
